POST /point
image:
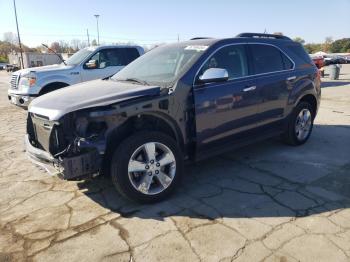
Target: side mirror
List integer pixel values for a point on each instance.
(91, 64)
(214, 75)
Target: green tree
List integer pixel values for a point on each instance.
(313, 48)
(340, 46)
(299, 40)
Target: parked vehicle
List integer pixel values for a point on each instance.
(87, 64)
(11, 68)
(3, 66)
(334, 60)
(179, 102)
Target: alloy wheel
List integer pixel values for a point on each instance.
(152, 168)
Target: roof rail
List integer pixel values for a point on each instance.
(259, 35)
(198, 38)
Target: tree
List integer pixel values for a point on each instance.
(94, 42)
(313, 48)
(340, 46)
(327, 44)
(11, 38)
(55, 46)
(299, 40)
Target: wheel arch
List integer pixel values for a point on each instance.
(152, 121)
(52, 86)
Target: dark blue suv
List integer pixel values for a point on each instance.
(178, 102)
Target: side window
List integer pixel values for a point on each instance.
(267, 59)
(109, 57)
(130, 54)
(232, 58)
(286, 62)
(112, 57)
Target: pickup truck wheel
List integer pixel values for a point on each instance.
(147, 166)
(300, 124)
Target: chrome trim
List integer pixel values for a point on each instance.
(244, 77)
(291, 78)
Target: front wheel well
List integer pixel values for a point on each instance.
(136, 124)
(52, 87)
(311, 100)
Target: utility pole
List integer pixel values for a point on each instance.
(87, 32)
(19, 39)
(98, 33)
(178, 38)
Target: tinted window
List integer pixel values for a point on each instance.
(130, 54)
(299, 51)
(232, 58)
(266, 59)
(286, 62)
(109, 57)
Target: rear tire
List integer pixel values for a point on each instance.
(147, 167)
(300, 124)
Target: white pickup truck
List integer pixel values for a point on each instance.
(87, 64)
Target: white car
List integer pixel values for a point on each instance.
(87, 64)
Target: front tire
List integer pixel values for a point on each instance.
(147, 166)
(300, 124)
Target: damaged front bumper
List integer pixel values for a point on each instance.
(84, 164)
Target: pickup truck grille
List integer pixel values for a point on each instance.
(14, 81)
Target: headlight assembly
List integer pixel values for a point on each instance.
(28, 80)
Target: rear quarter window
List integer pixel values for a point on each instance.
(267, 59)
(299, 55)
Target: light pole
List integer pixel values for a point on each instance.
(98, 33)
(19, 39)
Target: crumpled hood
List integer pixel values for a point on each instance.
(43, 69)
(88, 94)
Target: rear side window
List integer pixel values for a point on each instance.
(300, 53)
(232, 58)
(130, 54)
(268, 59)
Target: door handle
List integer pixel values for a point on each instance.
(251, 88)
(291, 78)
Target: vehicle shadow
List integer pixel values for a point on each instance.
(326, 84)
(265, 180)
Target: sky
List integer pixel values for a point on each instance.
(158, 21)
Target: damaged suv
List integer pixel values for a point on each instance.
(179, 102)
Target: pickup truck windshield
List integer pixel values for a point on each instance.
(79, 56)
(162, 65)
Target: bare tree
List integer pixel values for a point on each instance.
(11, 38)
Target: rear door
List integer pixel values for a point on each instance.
(274, 81)
(224, 109)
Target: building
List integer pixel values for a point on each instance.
(32, 59)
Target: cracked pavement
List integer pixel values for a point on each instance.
(264, 202)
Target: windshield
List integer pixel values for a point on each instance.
(79, 56)
(162, 65)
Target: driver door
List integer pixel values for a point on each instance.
(224, 109)
(107, 63)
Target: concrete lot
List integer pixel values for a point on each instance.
(268, 202)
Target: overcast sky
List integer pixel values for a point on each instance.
(147, 22)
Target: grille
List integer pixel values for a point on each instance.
(14, 81)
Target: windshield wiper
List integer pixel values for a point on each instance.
(136, 80)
